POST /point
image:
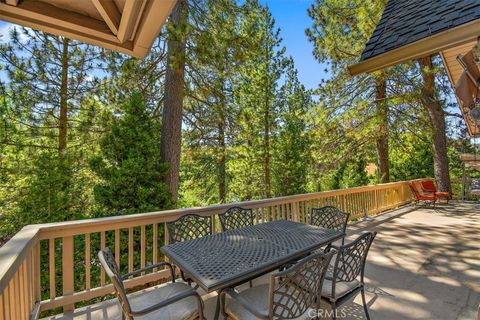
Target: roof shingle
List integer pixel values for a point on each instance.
(406, 21)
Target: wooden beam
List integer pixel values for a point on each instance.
(106, 40)
(109, 12)
(41, 13)
(471, 127)
(130, 17)
(148, 29)
(120, 31)
(428, 46)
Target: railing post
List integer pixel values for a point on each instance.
(51, 267)
(87, 262)
(37, 293)
(155, 244)
(67, 270)
(130, 249)
(296, 212)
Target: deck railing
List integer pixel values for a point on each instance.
(51, 266)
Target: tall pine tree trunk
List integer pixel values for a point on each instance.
(222, 161)
(266, 150)
(174, 93)
(266, 141)
(62, 127)
(222, 165)
(266, 128)
(382, 138)
(437, 119)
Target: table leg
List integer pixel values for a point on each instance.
(217, 307)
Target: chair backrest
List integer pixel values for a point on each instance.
(189, 227)
(294, 290)
(413, 188)
(111, 269)
(350, 261)
(329, 217)
(421, 190)
(235, 218)
(428, 186)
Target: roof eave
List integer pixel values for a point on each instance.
(470, 126)
(421, 48)
(140, 24)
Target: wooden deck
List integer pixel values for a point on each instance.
(424, 264)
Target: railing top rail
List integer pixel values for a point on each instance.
(118, 222)
(417, 180)
(13, 253)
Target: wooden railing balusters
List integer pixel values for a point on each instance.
(142, 247)
(155, 244)
(20, 288)
(51, 266)
(2, 308)
(67, 270)
(87, 261)
(117, 247)
(102, 247)
(130, 249)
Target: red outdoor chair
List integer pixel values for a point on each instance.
(429, 186)
(427, 198)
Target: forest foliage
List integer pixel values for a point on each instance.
(80, 129)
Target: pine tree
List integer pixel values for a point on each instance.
(209, 109)
(436, 113)
(47, 77)
(339, 32)
(129, 164)
(256, 94)
(174, 94)
(291, 153)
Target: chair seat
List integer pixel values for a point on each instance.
(185, 309)
(341, 288)
(431, 197)
(259, 296)
(442, 194)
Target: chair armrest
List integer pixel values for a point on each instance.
(150, 267)
(245, 303)
(185, 294)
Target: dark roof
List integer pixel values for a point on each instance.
(407, 21)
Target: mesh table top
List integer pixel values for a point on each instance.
(229, 258)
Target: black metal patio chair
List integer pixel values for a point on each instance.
(236, 217)
(330, 217)
(189, 227)
(347, 277)
(290, 294)
(172, 301)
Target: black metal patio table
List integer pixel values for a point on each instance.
(233, 257)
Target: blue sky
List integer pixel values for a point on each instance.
(291, 17)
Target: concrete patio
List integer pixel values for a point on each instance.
(424, 264)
